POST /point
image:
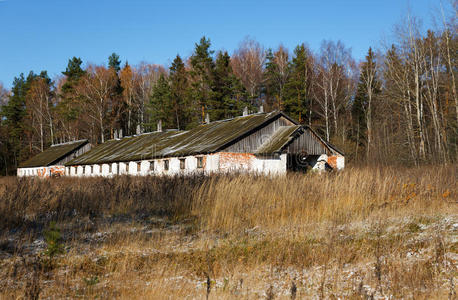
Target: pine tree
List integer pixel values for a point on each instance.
(116, 115)
(69, 107)
(13, 114)
(202, 72)
(13, 117)
(160, 104)
(125, 107)
(114, 62)
(228, 92)
(73, 72)
(276, 76)
(297, 90)
(179, 89)
(363, 106)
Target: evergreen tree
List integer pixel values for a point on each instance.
(179, 88)
(276, 76)
(114, 62)
(297, 90)
(202, 79)
(73, 73)
(228, 92)
(69, 108)
(268, 88)
(13, 117)
(357, 112)
(14, 113)
(363, 105)
(126, 104)
(160, 104)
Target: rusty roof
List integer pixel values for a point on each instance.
(53, 154)
(205, 138)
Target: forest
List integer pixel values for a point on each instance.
(398, 106)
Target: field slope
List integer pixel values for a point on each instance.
(357, 234)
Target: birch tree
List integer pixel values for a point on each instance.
(38, 101)
(248, 65)
(97, 87)
(334, 61)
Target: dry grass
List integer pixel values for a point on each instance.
(354, 234)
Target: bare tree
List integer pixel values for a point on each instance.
(39, 104)
(413, 51)
(145, 77)
(431, 61)
(334, 64)
(368, 73)
(97, 87)
(248, 63)
(450, 31)
(397, 84)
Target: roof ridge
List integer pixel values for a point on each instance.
(69, 142)
(233, 118)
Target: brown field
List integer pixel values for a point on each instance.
(361, 233)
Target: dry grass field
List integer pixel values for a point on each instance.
(363, 233)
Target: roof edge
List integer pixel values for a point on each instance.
(85, 142)
(275, 115)
(328, 145)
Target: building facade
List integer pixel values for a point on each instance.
(261, 143)
(50, 163)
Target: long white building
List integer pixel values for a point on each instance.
(262, 143)
(50, 163)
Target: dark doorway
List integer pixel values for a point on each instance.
(297, 162)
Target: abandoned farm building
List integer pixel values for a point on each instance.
(265, 143)
(51, 161)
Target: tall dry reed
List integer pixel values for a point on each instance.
(233, 204)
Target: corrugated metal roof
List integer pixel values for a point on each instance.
(53, 154)
(280, 138)
(206, 138)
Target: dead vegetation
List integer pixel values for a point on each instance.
(357, 234)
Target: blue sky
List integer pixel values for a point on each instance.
(43, 34)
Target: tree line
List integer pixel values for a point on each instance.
(397, 106)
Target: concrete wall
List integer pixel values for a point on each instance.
(222, 162)
(42, 172)
(322, 162)
(247, 162)
(143, 167)
(212, 163)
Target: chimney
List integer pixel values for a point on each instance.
(138, 129)
(120, 134)
(261, 109)
(245, 111)
(207, 119)
(159, 126)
